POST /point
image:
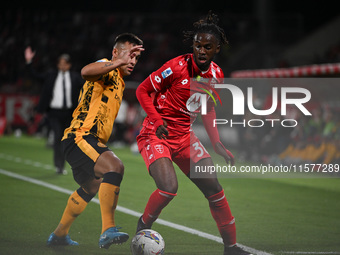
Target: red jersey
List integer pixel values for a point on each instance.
(171, 100)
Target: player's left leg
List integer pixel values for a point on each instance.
(194, 154)
(218, 204)
(219, 208)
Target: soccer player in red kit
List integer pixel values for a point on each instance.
(166, 135)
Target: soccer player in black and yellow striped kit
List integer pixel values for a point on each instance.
(95, 167)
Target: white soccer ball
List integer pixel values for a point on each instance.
(147, 242)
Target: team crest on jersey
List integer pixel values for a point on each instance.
(159, 148)
(167, 72)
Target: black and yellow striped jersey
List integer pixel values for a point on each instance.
(98, 106)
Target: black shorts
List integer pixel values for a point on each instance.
(82, 156)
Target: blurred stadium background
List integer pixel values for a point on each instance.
(266, 39)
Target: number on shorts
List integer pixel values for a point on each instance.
(199, 147)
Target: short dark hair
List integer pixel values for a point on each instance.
(128, 37)
(207, 25)
(65, 56)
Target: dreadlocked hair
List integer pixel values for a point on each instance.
(207, 25)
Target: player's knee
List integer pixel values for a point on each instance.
(172, 190)
(118, 166)
(170, 187)
(115, 165)
(108, 162)
(212, 190)
(92, 191)
(92, 188)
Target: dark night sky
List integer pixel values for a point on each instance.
(315, 12)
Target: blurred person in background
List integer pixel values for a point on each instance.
(58, 99)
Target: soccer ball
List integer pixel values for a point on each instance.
(147, 242)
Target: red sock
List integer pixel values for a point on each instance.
(157, 201)
(225, 221)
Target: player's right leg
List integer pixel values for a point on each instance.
(165, 178)
(76, 204)
(157, 159)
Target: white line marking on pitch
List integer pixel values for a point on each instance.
(134, 213)
(25, 161)
(310, 252)
(131, 212)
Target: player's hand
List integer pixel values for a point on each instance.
(126, 56)
(161, 131)
(226, 154)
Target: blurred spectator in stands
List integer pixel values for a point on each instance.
(58, 99)
(134, 122)
(315, 140)
(119, 127)
(333, 54)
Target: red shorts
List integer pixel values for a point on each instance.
(184, 151)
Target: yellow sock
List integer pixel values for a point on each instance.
(108, 198)
(75, 206)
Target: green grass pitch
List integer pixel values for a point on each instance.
(278, 215)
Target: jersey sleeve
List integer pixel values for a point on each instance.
(103, 60)
(163, 77)
(158, 81)
(143, 93)
(109, 78)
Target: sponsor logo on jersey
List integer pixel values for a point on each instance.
(167, 72)
(158, 79)
(185, 81)
(198, 99)
(194, 102)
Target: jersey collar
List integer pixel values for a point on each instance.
(196, 69)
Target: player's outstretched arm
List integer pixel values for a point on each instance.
(94, 71)
(215, 137)
(226, 154)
